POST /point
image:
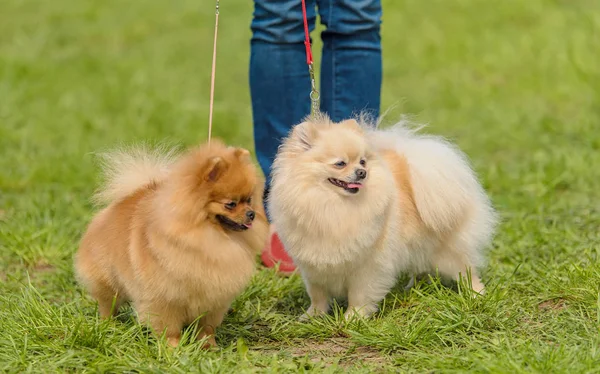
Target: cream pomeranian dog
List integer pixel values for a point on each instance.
(355, 206)
(178, 238)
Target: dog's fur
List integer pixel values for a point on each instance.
(420, 209)
(162, 243)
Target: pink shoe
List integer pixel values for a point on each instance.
(275, 253)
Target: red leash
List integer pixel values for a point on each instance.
(274, 251)
(309, 59)
(314, 94)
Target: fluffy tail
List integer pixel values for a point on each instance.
(129, 169)
(444, 184)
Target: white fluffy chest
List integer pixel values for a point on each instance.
(323, 247)
(324, 254)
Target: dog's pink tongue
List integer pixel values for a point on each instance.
(354, 185)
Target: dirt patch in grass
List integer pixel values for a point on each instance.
(42, 273)
(553, 304)
(42, 267)
(339, 350)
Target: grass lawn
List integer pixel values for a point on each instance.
(516, 83)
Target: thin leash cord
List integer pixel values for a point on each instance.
(314, 93)
(212, 75)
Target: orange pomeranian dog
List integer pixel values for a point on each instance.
(178, 238)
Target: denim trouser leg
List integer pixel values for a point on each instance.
(351, 69)
(279, 81)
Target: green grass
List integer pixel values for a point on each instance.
(515, 83)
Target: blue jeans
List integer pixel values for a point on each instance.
(351, 66)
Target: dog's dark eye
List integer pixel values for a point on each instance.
(363, 163)
(249, 201)
(340, 164)
(231, 205)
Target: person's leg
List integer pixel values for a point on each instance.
(351, 70)
(279, 89)
(279, 80)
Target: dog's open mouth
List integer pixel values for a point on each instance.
(230, 224)
(350, 187)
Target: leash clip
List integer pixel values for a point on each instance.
(314, 93)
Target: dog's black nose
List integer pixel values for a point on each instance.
(361, 173)
(250, 214)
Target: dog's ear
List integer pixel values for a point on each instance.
(242, 153)
(216, 166)
(353, 125)
(305, 134)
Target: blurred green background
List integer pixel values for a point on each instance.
(515, 83)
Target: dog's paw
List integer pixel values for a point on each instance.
(362, 312)
(410, 284)
(416, 278)
(475, 293)
(305, 317)
(210, 343)
(311, 313)
(173, 341)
